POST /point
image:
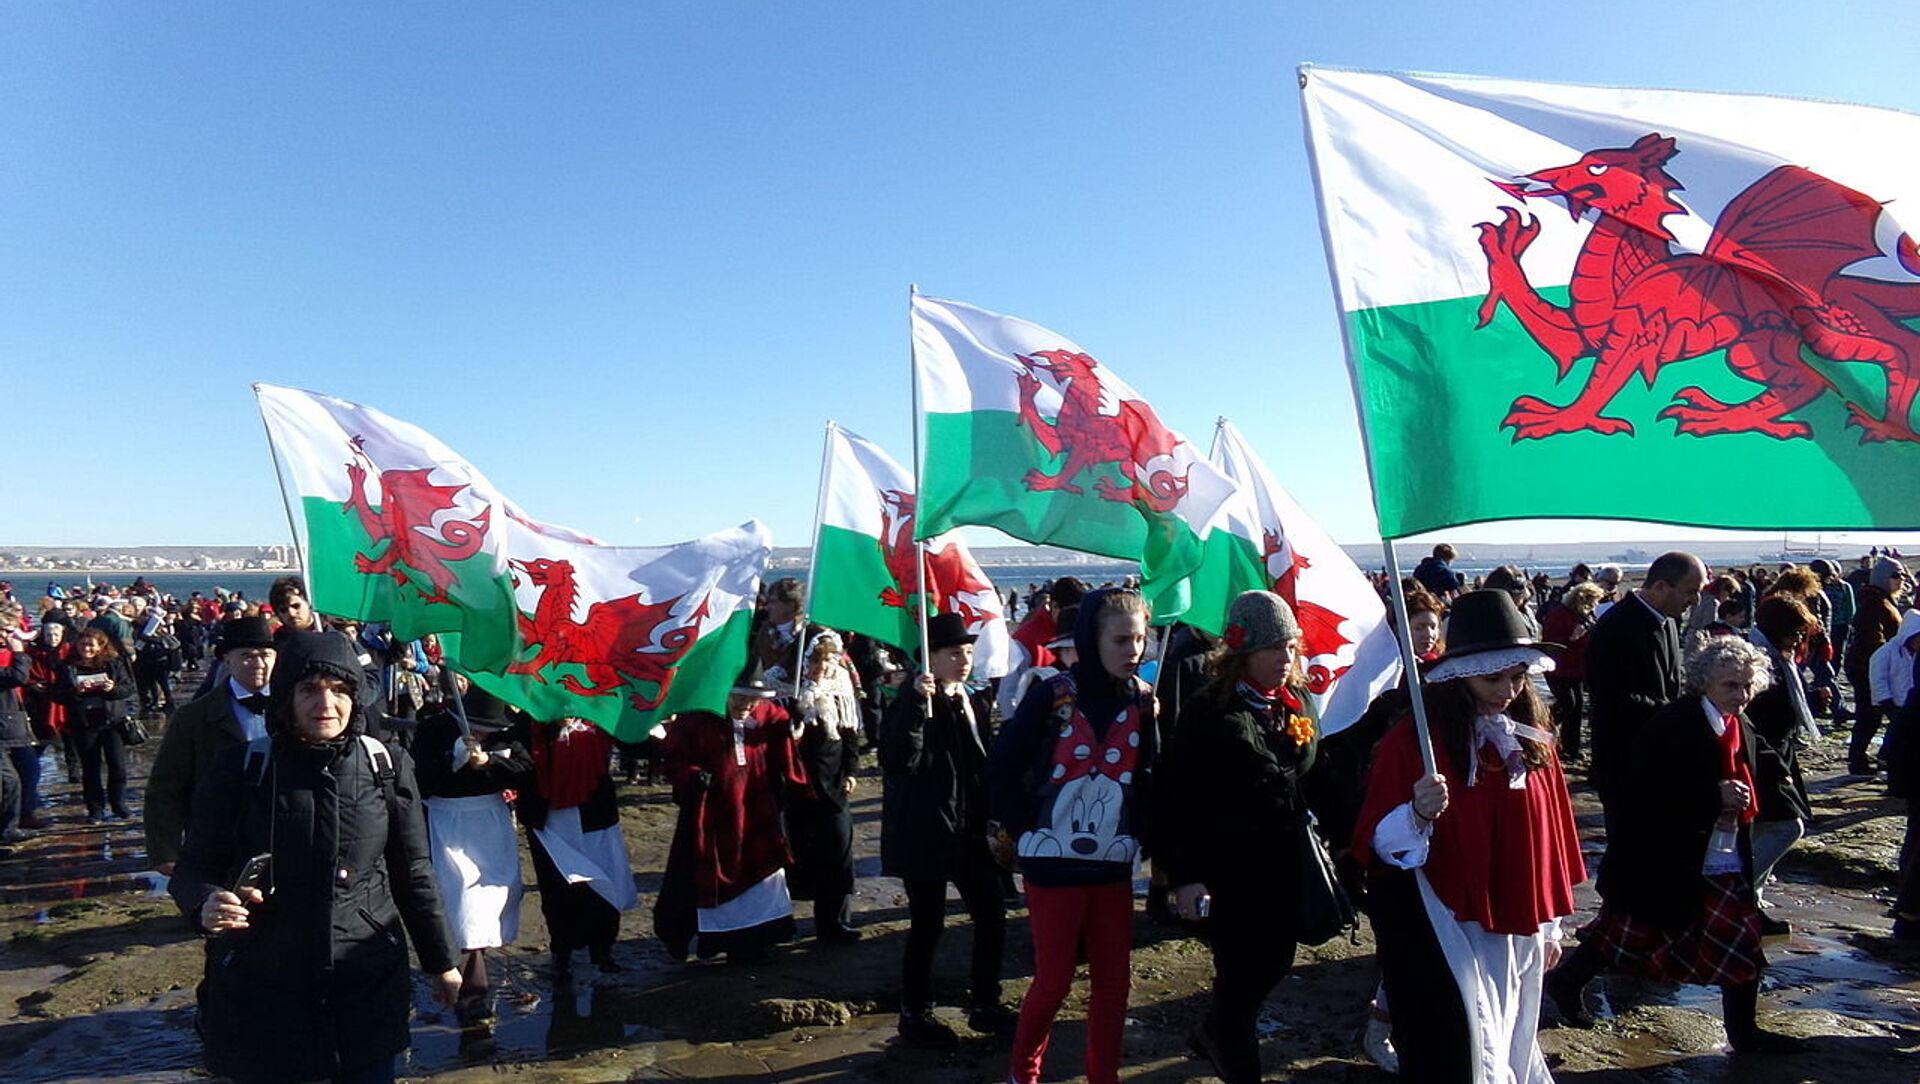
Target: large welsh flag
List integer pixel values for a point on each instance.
(1027, 433)
(400, 528)
(1686, 307)
(864, 577)
(1263, 540)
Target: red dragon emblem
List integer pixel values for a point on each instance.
(949, 573)
(616, 643)
(1091, 433)
(417, 543)
(1319, 626)
(1772, 280)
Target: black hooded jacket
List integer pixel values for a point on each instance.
(317, 985)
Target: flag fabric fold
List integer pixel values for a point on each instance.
(1027, 433)
(1540, 280)
(864, 577)
(400, 528)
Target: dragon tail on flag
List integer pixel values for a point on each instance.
(864, 578)
(401, 529)
(1027, 433)
(1535, 278)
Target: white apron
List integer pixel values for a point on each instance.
(598, 858)
(476, 862)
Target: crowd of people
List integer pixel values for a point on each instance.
(330, 796)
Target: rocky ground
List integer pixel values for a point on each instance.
(97, 973)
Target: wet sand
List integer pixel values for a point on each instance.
(97, 973)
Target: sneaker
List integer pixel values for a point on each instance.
(1566, 998)
(921, 1029)
(1774, 927)
(992, 1019)
(11, 834)
(1377, 1041)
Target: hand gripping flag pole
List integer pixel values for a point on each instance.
(1402, 634)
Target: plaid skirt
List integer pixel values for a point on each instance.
(1721, 946)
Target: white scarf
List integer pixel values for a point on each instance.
(1504, 734)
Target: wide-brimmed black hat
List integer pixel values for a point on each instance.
(946, 630)
(1485, 620)
(246, 632)
(753, 682)
(486, 713)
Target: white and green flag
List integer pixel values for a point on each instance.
(399, 528)
(864, 577)
(1027, 433)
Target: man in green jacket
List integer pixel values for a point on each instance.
(229, 714)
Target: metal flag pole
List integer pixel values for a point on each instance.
(279, 475)
(919, 547)
(1403, 635)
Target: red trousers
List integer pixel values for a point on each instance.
(1061, 917)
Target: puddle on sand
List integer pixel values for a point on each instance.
(533, 1022)
(97, 1047)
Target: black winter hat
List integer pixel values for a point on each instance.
(306, 653)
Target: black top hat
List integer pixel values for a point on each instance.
(1485, 620)
(753, 682)
(946, 630)
(246, 632)
(485, 711)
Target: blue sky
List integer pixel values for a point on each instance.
(629, 258)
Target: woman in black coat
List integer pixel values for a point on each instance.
(97, 687)
(307, 974)
(933, 830)
(1230, 813)
(1676, 883)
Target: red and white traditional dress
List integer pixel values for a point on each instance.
(1495, 875)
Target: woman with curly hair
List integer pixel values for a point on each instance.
(1676, 884)
(97, 687)
(1471, 867)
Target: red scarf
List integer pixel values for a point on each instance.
(1733, 766)
(568, 762)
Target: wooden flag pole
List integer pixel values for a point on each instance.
(1403, 634)
(279, 476)
(919, 547)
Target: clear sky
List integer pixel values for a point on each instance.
(629, 258)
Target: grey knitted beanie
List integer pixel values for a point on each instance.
(1259, 619)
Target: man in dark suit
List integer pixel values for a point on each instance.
(229, 714)
(1634, 663)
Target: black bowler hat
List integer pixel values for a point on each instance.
(244, 633)
(946, 630)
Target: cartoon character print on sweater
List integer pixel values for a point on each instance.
(1089, 782)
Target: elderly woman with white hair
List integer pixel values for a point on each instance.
(1676, 884)
(819, 824)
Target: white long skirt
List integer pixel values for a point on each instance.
(476, 862)
(1499, 976)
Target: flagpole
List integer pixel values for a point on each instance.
(813, 552)
(1410, 666)
(919, 547)
(279, 476)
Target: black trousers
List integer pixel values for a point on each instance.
(1866, 715)
(97, 744)
(1429, 1019)
(576, 915)
(978, 882)
(822, 838)
(1250, 956)
(1569, 704)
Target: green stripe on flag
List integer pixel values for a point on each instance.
(1434, 391)
(849, 575)
(1231, 565)
(975, 464)
(482, 607)
(700, 683)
